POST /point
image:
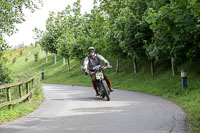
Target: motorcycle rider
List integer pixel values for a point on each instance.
(93, 60)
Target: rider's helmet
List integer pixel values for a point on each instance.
(90, 49)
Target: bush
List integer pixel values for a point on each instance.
(4, 73)
(36, 55)
(5, 59)
(14, 60)
(21, 52)
(26, 59)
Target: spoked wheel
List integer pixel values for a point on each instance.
(103, 96)
(106, 92)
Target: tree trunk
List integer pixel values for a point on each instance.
(55, 58)
(40, 51)
(117, 65)
(174, 67)
(63, 61)
(46, 56)
(135, 65)
(68, 64)
(152, 67)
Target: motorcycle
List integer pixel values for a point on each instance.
(102, 87)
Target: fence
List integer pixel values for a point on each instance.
(29, 86)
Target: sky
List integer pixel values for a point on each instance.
(39, 17)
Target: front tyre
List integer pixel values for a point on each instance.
(106, 92)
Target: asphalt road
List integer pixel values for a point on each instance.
(72, 109)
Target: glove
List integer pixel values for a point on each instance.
(86, 72)
(109, 66)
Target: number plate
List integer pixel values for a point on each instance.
(99, 76)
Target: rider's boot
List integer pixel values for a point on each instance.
(95, 88)
(109, 85)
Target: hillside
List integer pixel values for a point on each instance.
(15, 63)
(161, 84)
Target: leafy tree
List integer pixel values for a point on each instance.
(110, 11)
(52, 28)
(152, 29)
(40, 38)
(172, 25)
(11, 13)
(128, 27)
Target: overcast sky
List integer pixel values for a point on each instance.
(38, 19)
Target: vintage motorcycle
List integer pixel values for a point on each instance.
(100, 81)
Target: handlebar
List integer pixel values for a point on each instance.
(97, 67)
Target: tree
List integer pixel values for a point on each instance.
(11, 13)
(130, 29)
(110, 11)
(40, 38)
(77, 47)
(150, 29)
(172, 25)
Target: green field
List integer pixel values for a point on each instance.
(161, 84)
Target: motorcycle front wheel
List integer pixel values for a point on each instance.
(106, 92)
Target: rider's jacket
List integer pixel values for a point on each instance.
(92, 62)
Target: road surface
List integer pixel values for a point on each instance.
(72, 109)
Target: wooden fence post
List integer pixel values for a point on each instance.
(32, 86)
(9, 97)
(20, 90)
(27, 90)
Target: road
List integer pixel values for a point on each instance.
(72, 109)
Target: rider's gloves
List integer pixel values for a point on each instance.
(86, 72)
(109, 66)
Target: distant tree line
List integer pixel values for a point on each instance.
(153, 29)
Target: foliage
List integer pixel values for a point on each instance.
(36, 55)
(4, 72)
(152, 29)
(21, 52)
(26, 59)
(14, 60)
(173, 25)
(11, 13)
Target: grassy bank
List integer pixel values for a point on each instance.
(161, 84)
(18, 73)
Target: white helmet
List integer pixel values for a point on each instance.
(90, 48)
